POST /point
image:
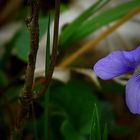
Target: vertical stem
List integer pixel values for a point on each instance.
(34, 41)
(55, 49)
(26, 98)
(46, 101)
(46, 116)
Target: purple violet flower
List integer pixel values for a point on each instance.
(118, 63)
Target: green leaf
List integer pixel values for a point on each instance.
(70, 133)
(67, 32)
(86, 28)
(95, 127)
(105, 18)
(76, 98)
(47, 64)
(22, 39)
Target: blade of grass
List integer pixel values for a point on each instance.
(47, 61)
(95, 126)
(99, 21)
(105, 133)
(92, 131)
(103, 19)
(68, 31)
(47, 64)
(54, 50)
(98, 39)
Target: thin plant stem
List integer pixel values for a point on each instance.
(54, 50)
(26, 97)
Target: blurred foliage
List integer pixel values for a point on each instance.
(78, 109)
(24, 37)
(87, 23)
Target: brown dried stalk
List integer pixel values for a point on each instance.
(26, 98)
(54, 51)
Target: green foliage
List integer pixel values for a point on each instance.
(112, 87)
(76, 99)
(68, 32)
(105, 133)
(95, 127)
(22, 39)
(3, 78)
(76, 110)
(86, 27)
(70, 132)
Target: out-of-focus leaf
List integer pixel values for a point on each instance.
(70, 133)
(104, 18)
(3, 79)
(22, 40)
(67, 32)
(77, 100)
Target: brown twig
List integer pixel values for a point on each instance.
(32, 23)
(27, 94)
(98, 39)
(54, 51)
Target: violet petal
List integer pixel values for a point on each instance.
(133, 94)
(117, 63)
